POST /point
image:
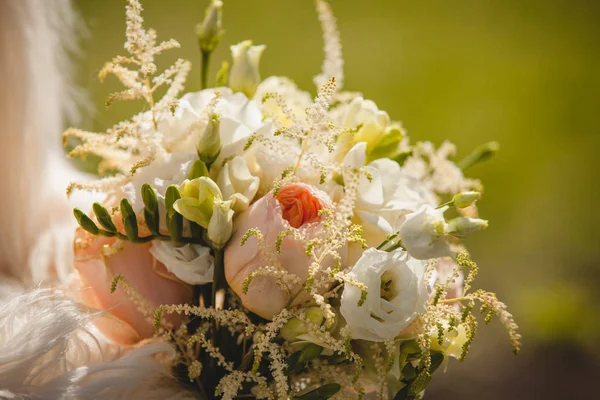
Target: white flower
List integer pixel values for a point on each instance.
(371, 121)
(171, 169)
(209, 145)
(237, 183)
(423, 233)
(296, 100)
(396, 294)
(191, 263)
(384, 199)
(245, 75)
(239, 117)
(220, 226)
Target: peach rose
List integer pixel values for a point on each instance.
(296, 206)
(123, 322)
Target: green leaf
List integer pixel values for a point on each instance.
(401, 157)
(129, 220)
(104, 217)
(321, 393)
(310, 352)
(480, 154)
(387, 146)
(85, 222)
(198, 170)
(403, 394)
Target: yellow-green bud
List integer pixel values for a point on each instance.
(245, 74)
(209, 145)
(465, 199)
(463, 226)
(210, 30)
(296, 327)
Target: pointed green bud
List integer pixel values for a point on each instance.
(480, 154)
(85, 222)
(209, 145)
(198, 170)
(129, 220)
(222, 74)
(149, 199)
(104, 218)
(296, 327)
(171, 196)
(465, 199)
(210, 30)
(463, 226)
(176, 227)
(245, 74)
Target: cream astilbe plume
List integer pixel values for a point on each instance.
(49, 350)
(133, 144)
(333, 64)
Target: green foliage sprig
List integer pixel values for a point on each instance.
(108, 228)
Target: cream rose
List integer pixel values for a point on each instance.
(396, 294)
(295, 206)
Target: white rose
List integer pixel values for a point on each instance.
(191, 263)
(396, 294)
(423, 233)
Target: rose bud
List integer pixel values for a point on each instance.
(294, 207)
(98, 264)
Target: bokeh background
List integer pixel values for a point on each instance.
(523, 73)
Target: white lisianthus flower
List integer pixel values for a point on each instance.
(423, 233)
(396, 294)
(245, 74)
(386, 198)
(191, 263)
(239, 118)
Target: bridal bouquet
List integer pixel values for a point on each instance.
(288, 247)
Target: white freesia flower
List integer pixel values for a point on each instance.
(423, 233)
(397, 294)
(245, 74)
(191, 263)
(220, 226)
(237, 183)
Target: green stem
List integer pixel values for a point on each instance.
(146, 239)
(205, 63)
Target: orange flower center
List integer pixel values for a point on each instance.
(298, 205)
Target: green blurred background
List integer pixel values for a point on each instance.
(523, 73)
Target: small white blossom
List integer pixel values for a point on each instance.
(423, 233)
(191, 263)
(220, 226)
(397, 294)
